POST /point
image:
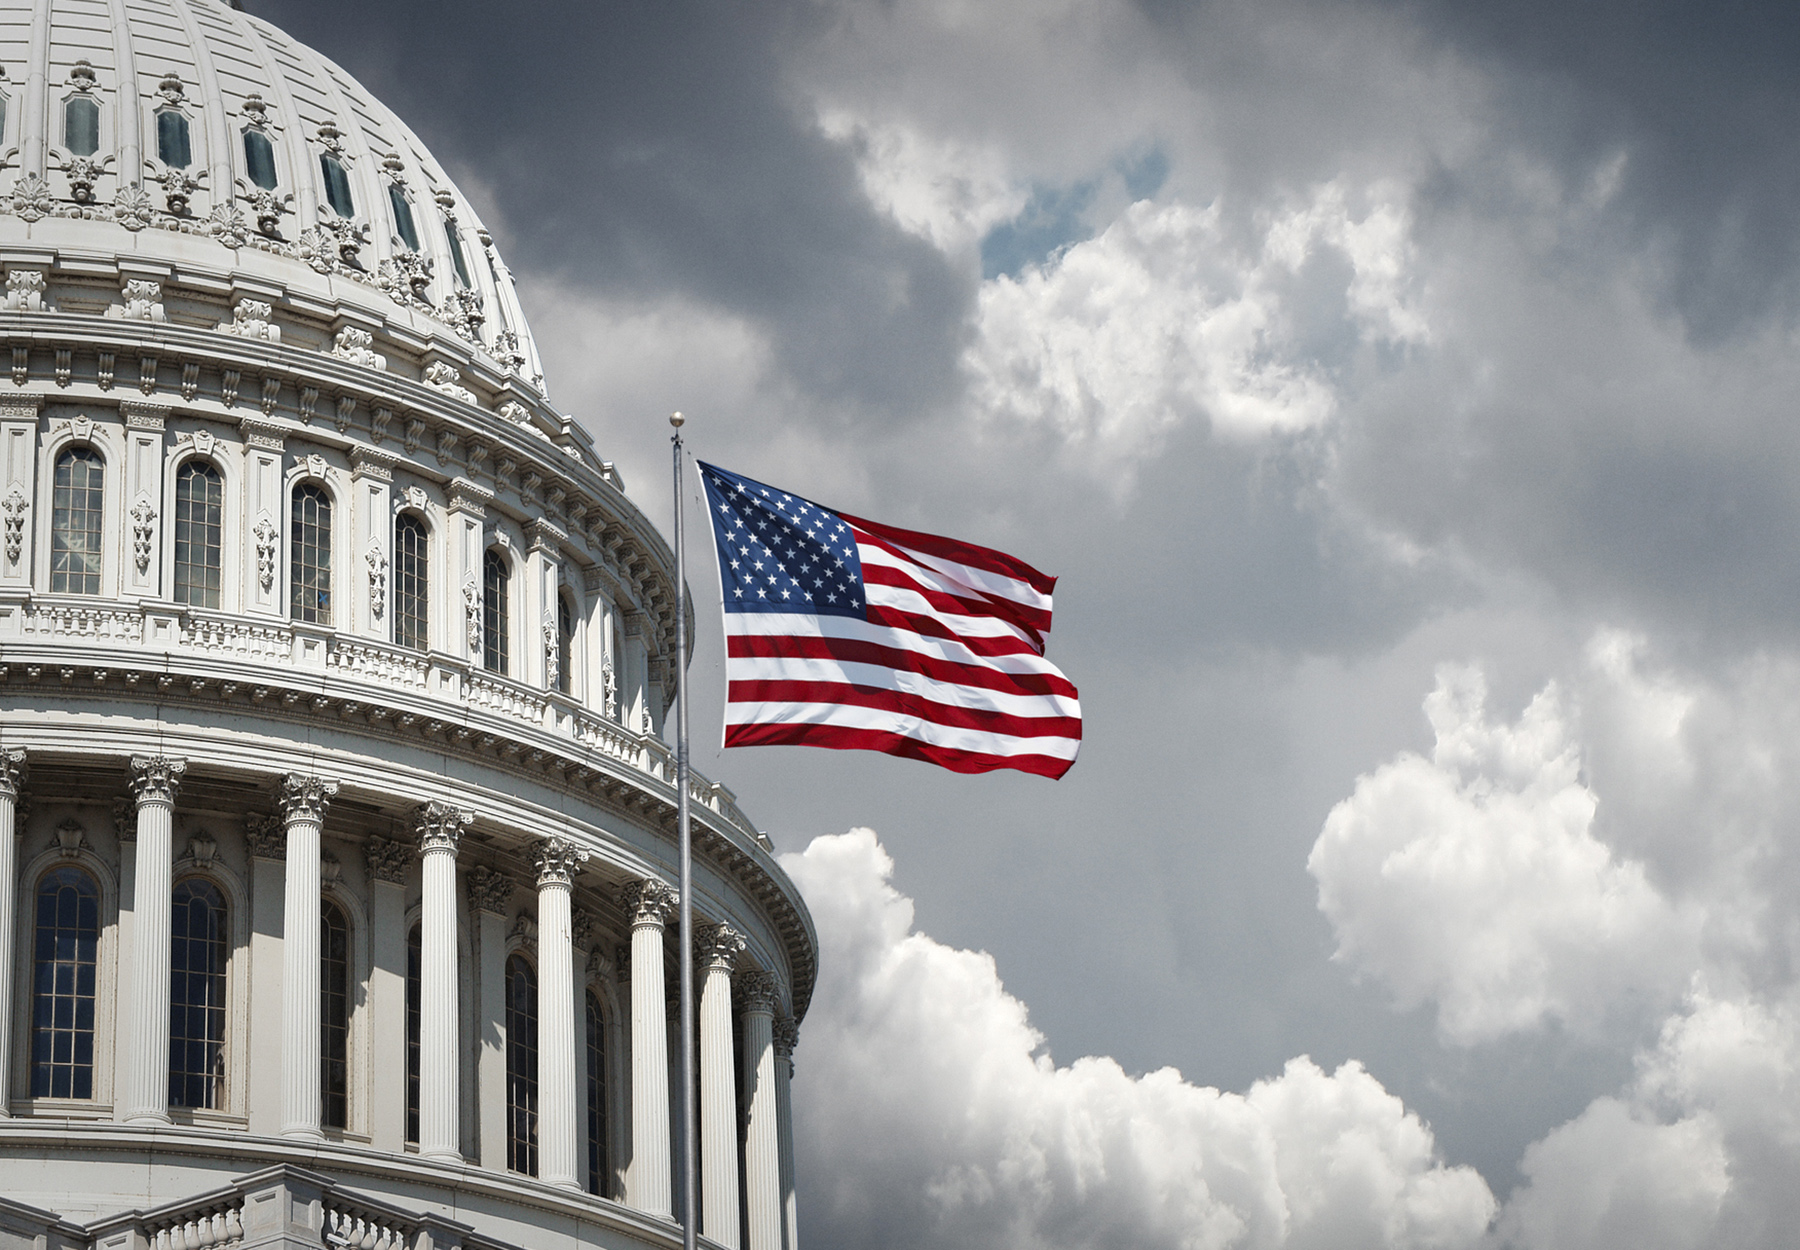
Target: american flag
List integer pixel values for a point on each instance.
(843, 633)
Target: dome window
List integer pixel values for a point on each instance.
(259, 159)
(337, 185)
(403, 218)
(456, 256)
(81, 126)
(172, 146)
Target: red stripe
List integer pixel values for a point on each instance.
(985, 558)
(904, 703)
(857, 651)
(1034, 621)
(839, 738)
(935, 627)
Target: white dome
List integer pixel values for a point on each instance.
(174, 124)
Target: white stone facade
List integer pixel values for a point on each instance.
(336, 833)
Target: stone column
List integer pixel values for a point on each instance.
(12, 776)
(440, 827)
(787, 1036)
(490, 893)
(303, 802)
(647, 1187)
(388, 861)
(560, 1102)
(756, 997)
(145, 1069)
(716, 949)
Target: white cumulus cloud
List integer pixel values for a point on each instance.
(928, 1114)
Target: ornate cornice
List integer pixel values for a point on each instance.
(388, 859)
(470, 497)
(13, 772)
(266, 836)
(717, 946)
(756, 992)
(556, 861)
(440, 825)
(156, 778)
(490, 891)
(649, 902)
(305, 797)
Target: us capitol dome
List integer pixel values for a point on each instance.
(337, 838)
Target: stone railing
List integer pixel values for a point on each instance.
(214, 1219)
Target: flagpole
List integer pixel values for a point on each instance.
(689, 1203)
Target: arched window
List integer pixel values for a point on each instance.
(403, 217)
(197, 995)
(495, 634)
(259, 159)
(75, 517)
(414, 989)
(456, 256)
(62, 1000)
(199, 530)
(311, 558)
(521, 1066)
(596, 1097)
(337, 185)
(172, 147)
(334, 1015)
(411, 587)
(565, 643)
(81, 125)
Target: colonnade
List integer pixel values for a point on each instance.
(761, 1218)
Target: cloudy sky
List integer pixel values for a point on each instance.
(1405, 395)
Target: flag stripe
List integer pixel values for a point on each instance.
(902, 703)
(899, 630)
(899, 660)
(839, 738)
(955, 551)
(851, 716)
(944, 599)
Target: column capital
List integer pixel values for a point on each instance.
(649, 902)
(490, 891)
(388, 859)
(266, 836)
(717, 946)
(756, 992)
(12, 771)
(556, 861)
(156, 778)
(787, 1036)
(305, 797)
(440, 825)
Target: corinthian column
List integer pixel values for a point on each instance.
(756, 996)
(647, 1187)
(716, 949)
(303, 802)
(12, 776)
(440, 827)
(787, 1036)
(144, 1070)
(558, 1084)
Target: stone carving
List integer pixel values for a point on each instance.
(552, 652)
(178, 190)
(415, 497)
(440, 825)
(609, 689)
(13, 772)
(190, 379)
(717, 946)
(378, 422)
(388, 859)
(316, 466)
(265, 836)
(447, 378)
(346, 410)
(131, 208)
(265, 553)
(267, 208)
(83, 173)
(358, 347)
(170, 89)
(377, 561)
(226, 224)
(147, 372)
(251, 319)
(490, 891)
(156, 778)
(271, 392)
(332, 139)
(756, 991)
(463, 310)
(556, 861)
(305, 797)
(81, 76)
(507, 352)
(256, 111)
(649, 901)
(331, 869)
(472, 610)
(21, 365)
(31, 198)
(309, 399)
(581, 927)
(203, 442)
(407, 277)
(70, 838)
(787, 1036)
(602, 965)
(142, 301)
(15, 507)
(446, 446)
(524, 931)
(124, 814)
(229, 380)
(143, 533)
(202, 848)
(25, 290)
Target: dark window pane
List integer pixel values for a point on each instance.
(411, 585)
(334, 1015)
(77, 496)
(596, 1097)
(199, 533)
(81, 126)
(172, 140)
(413, 983)
(565, 640)
(311, 555)
(337, 185)
(403, 218)
(495, 643)
(62, 1013)
(259, 159)
(456, 257)
(197, 995)
(521, 1067)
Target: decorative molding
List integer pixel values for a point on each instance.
(140, 300)
(581, 927)
(263, 435)
(787, 1036)
(266, 836)
(440, 825)
(143, 533)
(470, 497)
(556, 861)
(71, 839)
(717, 946)
(472, 611)
(331, 869)
(377, 561)
(305, 797)
(649, 901)
(202, 849)
(367, 462)
(446, 379)
(388, 859)
(14, 772)
(524, 931)
(14, 506)
(124, 814)
(552, 651)
(265, 552)
(252, 319)
(142, 416)
(756, 991)
(25, 290)
(490, 891)
(358, 347)
(156, 778)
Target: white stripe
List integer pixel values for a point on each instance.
(797, 625)
(890, 722)
(882, 677)
(903, 600)
(997, 584)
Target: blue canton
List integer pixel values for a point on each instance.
(779, 552)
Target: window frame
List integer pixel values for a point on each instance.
(327, 616)
(108, 515)
(224, 1090)
(34, 963)
(186, 129)
(32, 870)
(226, 589)
(411, 516)
(100, 136)
(261, 132)
(327, 162)
(568, 643)
(497, 612)
(524, 1139)
(345, 1021)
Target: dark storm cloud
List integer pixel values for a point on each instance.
(651, 149)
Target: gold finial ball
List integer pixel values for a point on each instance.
(676, 419)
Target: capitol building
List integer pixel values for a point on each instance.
(337, 832)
